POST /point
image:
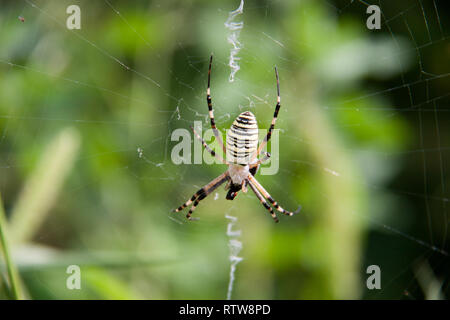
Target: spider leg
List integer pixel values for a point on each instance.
(212, 152)
(263, 201)
(244, 186)
(210, 109)
(266, 195)
(202, 193)
(261, 160)
(274, 119)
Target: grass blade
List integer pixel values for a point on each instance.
(41, 189)
(13, 275)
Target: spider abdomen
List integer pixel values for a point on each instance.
(242, 139)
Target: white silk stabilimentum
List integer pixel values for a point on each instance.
(235, 247)
(233, 39)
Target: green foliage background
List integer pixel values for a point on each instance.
(364, 148)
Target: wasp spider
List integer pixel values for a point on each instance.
(241, 153)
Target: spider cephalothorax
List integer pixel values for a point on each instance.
(241, 157)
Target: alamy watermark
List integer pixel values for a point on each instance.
(74, 20)
(183, 153)
(374, 20)
(374, 280)
(74, 280)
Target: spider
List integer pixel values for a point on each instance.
(241, 152)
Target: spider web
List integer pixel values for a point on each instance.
(391, 114)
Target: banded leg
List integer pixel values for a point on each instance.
(274, 119)
(202, 193)
(263, 201)
(210, 109)
(244, 186)
(269, 197)
(205, 145)
(261, 160)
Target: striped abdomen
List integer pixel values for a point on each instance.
(242, 139)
